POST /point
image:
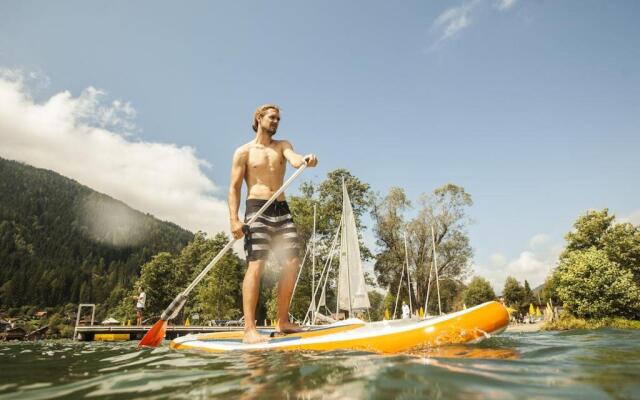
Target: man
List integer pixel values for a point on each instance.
(261, 164)
(141, 299)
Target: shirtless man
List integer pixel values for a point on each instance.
(261, 164)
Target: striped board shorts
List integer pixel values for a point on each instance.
(273, 231)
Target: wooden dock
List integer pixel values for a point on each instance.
(89, 332)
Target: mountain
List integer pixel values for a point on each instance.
(62, 242)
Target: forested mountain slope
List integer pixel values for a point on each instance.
(62, 242)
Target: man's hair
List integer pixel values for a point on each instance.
(260, 111)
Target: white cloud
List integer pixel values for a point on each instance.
(532, 264)
(497, 260)
(87, 139)
(453, 20)
(633, 217)
(538, 240)
(505, 4)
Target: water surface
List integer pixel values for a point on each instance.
(598, 364)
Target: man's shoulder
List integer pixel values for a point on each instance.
(242, 150)
(282, 143)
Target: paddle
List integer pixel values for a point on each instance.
(155, 335)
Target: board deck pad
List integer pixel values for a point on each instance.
(236, 336)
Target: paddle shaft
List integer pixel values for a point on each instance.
(176, 305)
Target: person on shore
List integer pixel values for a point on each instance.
(406, 312)
(261, 164)
(141, 299)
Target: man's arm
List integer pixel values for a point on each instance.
(295, 159)
(238, 167)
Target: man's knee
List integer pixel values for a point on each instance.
(293, 263)
(255, 268)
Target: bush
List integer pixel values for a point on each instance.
(567, 322)
(592, 286)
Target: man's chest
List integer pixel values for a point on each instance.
(265, 158)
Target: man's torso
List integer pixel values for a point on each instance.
(265, 168)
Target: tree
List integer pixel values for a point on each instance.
(589, 229)
(389, 229)
(549, 291)
(478, 291)
(376, 313)
(592, 286)
(513, 293)
(444, 210)
(529, 298)
(219, 296)
(600, 267)
(159, 279)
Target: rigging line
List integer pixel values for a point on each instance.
(426, 302)
(327, 263)
(293, 293)
(398, 295)
(330, 265)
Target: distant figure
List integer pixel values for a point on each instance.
(406, 312)
(141, 299)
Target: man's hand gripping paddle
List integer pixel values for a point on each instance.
(155, 335)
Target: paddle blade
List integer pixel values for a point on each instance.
(154, 337)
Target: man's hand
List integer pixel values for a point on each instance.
(236, 229)
(311, 160)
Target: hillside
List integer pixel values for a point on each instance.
(62, 242)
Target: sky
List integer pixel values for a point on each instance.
(532, 106)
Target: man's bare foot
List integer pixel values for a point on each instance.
(251, 336)
(288, 327)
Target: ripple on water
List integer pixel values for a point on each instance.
(587, 365)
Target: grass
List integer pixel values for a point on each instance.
(566, 322)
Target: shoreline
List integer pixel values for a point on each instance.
(525, 328)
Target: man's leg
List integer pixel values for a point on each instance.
(285, 290)
(250, 293)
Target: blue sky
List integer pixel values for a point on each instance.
(532, 106)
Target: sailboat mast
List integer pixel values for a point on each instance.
(406, 260)
(435, 265)
(344, 192)
(313, 268)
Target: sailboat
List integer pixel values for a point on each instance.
(390, 336)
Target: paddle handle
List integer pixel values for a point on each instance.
(176, 305)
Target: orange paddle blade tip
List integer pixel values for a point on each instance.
(154, 337)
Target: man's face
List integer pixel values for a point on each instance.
(270, 121)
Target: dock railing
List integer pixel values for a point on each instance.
(93, 314)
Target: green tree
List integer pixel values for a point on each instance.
(389, 230)
(588, 232)
(219, 295)
(160, 280)
(529, 297)
(478, 291)
(549, 293)
(592, 286)
(513, 293)
(376, 299)
(446, 211)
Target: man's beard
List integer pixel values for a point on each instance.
(271, 131)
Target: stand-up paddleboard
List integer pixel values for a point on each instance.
(471, 325)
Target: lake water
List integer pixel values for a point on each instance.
(598, 364)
